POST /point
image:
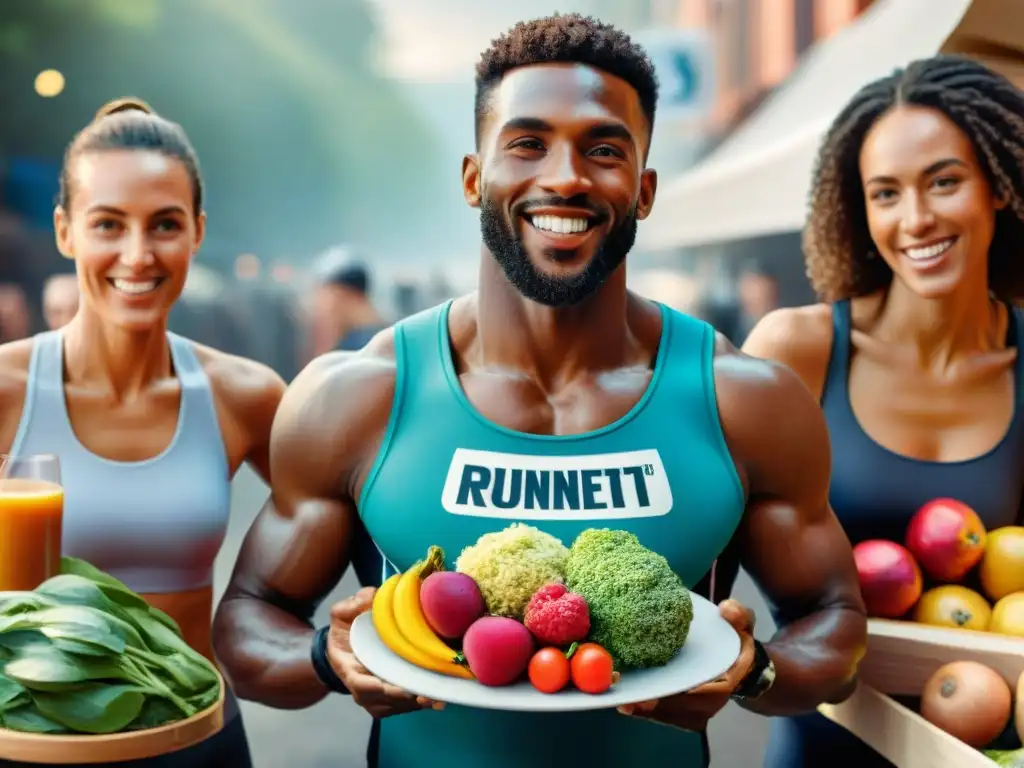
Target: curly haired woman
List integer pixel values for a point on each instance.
(915, 243)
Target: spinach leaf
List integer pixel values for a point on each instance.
(187, 675)
(47, 668)
(9, 691)
(206, 699)
(29, 720)
(76, 622)
(155, 712)
(17, 641)
(12, 603)
(169, 643)
(93, 708)
(70, 589)
(74, 565)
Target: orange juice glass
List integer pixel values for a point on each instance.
(31, 516)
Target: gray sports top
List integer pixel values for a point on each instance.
(156, 524)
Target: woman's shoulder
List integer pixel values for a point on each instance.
(798, 337)
(249, 390)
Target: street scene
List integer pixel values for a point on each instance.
(604, 383)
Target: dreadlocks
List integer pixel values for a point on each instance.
(989, 110)
(573, 39)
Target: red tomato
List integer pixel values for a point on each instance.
(592, 668)
(549, 670)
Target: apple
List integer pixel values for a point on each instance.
(947, 538)
(890, 579)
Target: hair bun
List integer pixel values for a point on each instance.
(127, 104)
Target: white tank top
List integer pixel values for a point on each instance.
(157, 525)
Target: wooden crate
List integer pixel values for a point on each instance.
(901, 657)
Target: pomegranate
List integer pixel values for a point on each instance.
(890, 579)
(948, 539)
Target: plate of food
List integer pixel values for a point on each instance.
(524, 623)
(91, 673)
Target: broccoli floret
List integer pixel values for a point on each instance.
(510, 565)
(640, 611)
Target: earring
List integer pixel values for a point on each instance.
(871, 254)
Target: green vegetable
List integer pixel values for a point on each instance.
(1006, 758)
(640, 611)
(84, 654)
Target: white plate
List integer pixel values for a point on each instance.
(711, 648)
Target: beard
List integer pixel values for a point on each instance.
(508, 250)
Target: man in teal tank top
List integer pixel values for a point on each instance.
(706, 455)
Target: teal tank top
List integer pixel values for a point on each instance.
(445, 475)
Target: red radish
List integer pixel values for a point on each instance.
(498, 649)
(890, 579)
(948, 539)
(451, 602)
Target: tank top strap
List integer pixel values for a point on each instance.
(839, 360)
(44, 410)
(198, 409)
(422, 346)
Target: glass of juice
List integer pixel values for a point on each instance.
(31, 514)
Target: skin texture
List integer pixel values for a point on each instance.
(930, 376)
(131, 217)
(553, 370)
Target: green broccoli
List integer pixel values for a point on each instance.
(640, 611)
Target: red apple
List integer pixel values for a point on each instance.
(890, 579)
(947, 538)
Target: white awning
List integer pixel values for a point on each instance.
(757, 182)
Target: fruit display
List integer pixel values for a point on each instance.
(84, 655)
(947, 572)
(521, 605)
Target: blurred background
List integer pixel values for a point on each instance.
(330, 134)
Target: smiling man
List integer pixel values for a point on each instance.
(555, 396)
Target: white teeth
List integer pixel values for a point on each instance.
(931, 251)
(135, 286)
(560, 225)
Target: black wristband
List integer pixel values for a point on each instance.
(322, 666)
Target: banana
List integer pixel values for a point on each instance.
(409, 613)
(383, 615)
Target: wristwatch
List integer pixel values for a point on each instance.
(759, 679)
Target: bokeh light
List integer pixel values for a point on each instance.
(49, 83)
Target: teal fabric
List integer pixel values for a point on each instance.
(445, 475)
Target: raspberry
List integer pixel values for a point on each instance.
(557, 616)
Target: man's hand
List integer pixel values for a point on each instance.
(692, 710)
(378, 698)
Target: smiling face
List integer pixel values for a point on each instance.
(132, 232)
(930, 209)
(560, 179)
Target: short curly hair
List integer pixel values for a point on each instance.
(986, 106)
(570, 38)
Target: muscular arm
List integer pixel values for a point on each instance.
(327, 426)
(790, 541)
